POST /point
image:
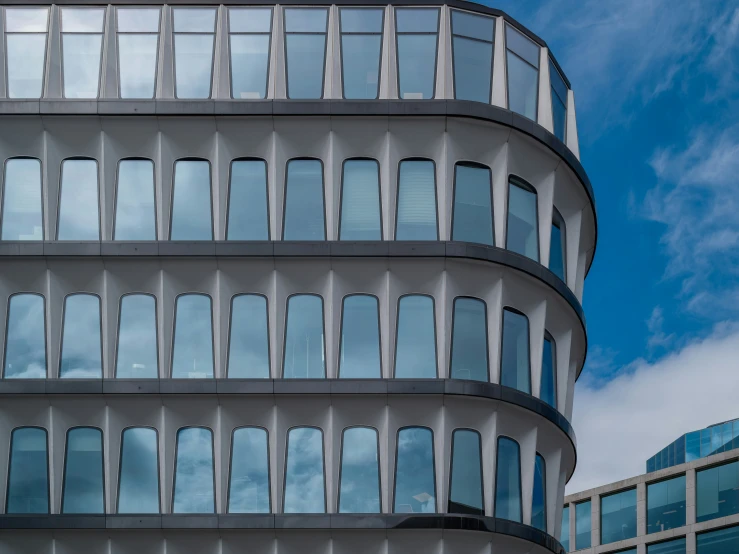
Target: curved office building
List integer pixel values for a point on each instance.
(286, 279)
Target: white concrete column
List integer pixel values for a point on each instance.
(594, 521)
(572, 141)
(641, 509)
(545, 118)
(690, 497)
(690, 546)
(499, 97)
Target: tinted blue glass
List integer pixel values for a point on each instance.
(670, 547)
(415, 348)
(134, 205)
(21, 211)
(192, 355)
(359, 490)
(248, 344)
(78, 201)
(525, 48)
(248, 491)
(416, 201)
(304, 356)
(250, 20)
(136, 354)
(722, 541)
(564, 531)
(680, 450)
(137, 63)
(651, 466)
(25, 340)
(83, 472)
(415, 482)
(304, 212)
(28, 472)
(470, 25)
(81, 355)
(306, 20)
(559, 102)
(508, 480)
(249, 52)
(359, 356)
(548, 389)
(539, 496)
(514, 364)
(472, 49)
(193, 59)
(523, 230)
(305, 45)
(81, 64)
(26, 51)
(360, 201)
(305, 491)
(717, 492)
(360, 51)
(666, 505)
(247, 202)
(523, 85)
(416, 65)
(417, 20)
(469, 340)
(138, 487)
(618, 516)
(473, 205)
(191, 201)
(705, 442)
(582, 525)
(557, 251)
(361, 20)
(193, 479)
(465, 486)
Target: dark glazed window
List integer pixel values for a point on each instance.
(28, 472)
(138, 484)
(83, 487)
(359, 486)
(305, 51)
(79, 217)
(304, 213)
(25, 42)
(247, 202)
(82, 41)
(250, 32)
(472, 52)
(248, 488)
(360, 200)
(192, 356)
(548, 388)
(138, 46)
(359, 355)
(415, 347)
(304, 356)
(248, 341)
(194, 472)
(469, 357)
(25, 337)
(618, 516)
(135, 208)
(81, 356)
(465, 484)
(305, 489)
(22, 214)
(194, 36)
(416, 216)
(666, 505)
(582, 525)
(136, 355)
(721, 541)
(192, 217)
(559, 102)
(539, 496)
(564, 531)
(514, 362)
(522, 58)
(523, 224)
(361, 45)
(415, 472)
(557, 247)
(676, 546)
(508, 480)
(717, 492)
(473, 204)
(417, 31)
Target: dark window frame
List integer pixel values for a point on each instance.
(516, 181)
(118, 327)
(102, 34)
(172, 33)
(477, 165)
(3, 186)
(269, 64)
(452, 35)
(379, 190)
(66, 455)
(341, 466)
(433, 464)
(120, 464)
(48, 469)
(325, 33)
(59, 199)
(230, 330)
(230, 467)
(212, 332)
(379, 67)
(154, 183)
(100, 323)
(284, 334)
(397, 192)
(323, 193)
(528, 346)
(46, 49)
(213, 463)
(210, 193)
(397, 320)
(341, 333)
(230, 182)
(323, 463)
(495, 476)
(7, 322)
(397, 56)
(156, 63)
(487, 335)
(538, 69)
(455, 507)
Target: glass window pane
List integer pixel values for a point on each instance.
(304, 348)
(676, 546)
(138, 485)
(415, 479)
(514, 364)
(525, 48)
(191, 204)
(82, 20)
(81, 62)
(359, 357)
(79, 218)
(193, 63)
(25, 337)
(247, 203)
(193, 337)
(138, 20)
(469, 340)
(465, 486)
(539, 497)
(83, 472)
(523, 86)
(359, 489)
(557, 249)
(415, 347)
(248, 489)
(618, 516)
(81, 343)
(26, 20)
(135, 217)
(523, 226)
(693, 445)
(194, 20)
(193, 477)
(249, 64)
(558, 85)
(137, 64)
(361, 44)
(717, 492)
(28, 472)
(718, 542)
(360, 201)
(564, 532)
(559, 102)
(508, 480)
(666, 505)
(250, 20)
(248, 342)
(305, 491)
(416, 65)
(26, 52)
(417, 20)
(361, 20)
(305, 64)
(306, 20)
(416, 201)
(548, 388)
(582, 525)
(473, 205)
(136, 352)
(22, 212)
(304, 212)
(473, 68)
(470, 25)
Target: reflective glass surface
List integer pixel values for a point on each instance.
(304, 212)
(666, 505)
(247, 202)
(79, 218)
(194, 20)
(417, 33)
(191, 201)
(249, 45)
(469, 357)
(136, 353)
(508, 480)
(304, 356)
(248, 343)
(514, 365)
(523, 228)
(305, 51)
(473, 205)
(717, 492)
(564, 531)
(360, 201)
(676, 546)
(25, 338)
(359, 356)
(523, 73)
(138, 39)
(138, 486)
(28, 472)
(465, 486)
(83, 472)
(557, 249)
(359, 489)
(416, 201)
(305, 491)
(193, 51)
(25, 41)
(582, 525)
(548, 388)
(539, 496)
(248, 491)
(21, 212)
(193, 478)
(559, 102)
(135, 217)
(81, 356)
(361, 44)
(415, 347)
(193, 337)
(472, 50)
(415, 484)
(721, 541)
(618, 516)
(82, 42)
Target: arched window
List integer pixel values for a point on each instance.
(248, 217)
(415, 346)
(22, 212)
(135, 207)
(361, 46)
(415, 472)
(558, 248)
(359, 480)
(469, 356)
(83, 489)
(192, 355)
(136, 354)
(305, 489)
(465, 482)
(79, 214)
(26, 30)
(138, 46)
(192, 214)
(548, 392)
(248, 487)
(250, 32)
(138, 482)
(305, 51)
(194, 39)
(248, 340)
(82, 39)
(360, 199)
(82, 351)
(304, 214)
(25, 337)
(28, 472)
(508, 480)
(359, 355)
(522, 235)
(416, 217)
(522, 57)
(417, 31)
(194, 474)
(539, 496)
(472, 53)
(515, 367)
(472, 219)
(304, 356)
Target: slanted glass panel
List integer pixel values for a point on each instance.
(192, 356)
(472, 51)
(539, 496)
(248, 340)
(415, 479)
(515, 368)
(359, 356)
(79, 217)
(465, 485)
(666, 505)
(82, 41)
(722, 541)
(22, 216)
(25, 337)
(522, 56)
(559, 102)
(360, 200)
(136, 352)
(359, 488)
(247, 202)
(135, 209)
(417, 31)
(138, 41)
(557, 247)
(548, 388)
(28, 472)
(676, 546)
(81, 356)
(361, 44)
(564, 532)
(305, 51)
(473, 204)
(138, 484)
(469, 357)
(25, 41)
(193, 472)
(618, 516)
(248, 487)
(416, 201)
(304, 213)
(523, 224)
(191, 201)
(508, 480)
(305, 489)
(250, 31)
(717, 492)
(415, 346)
(582, 525)
(304, 356)
(194, 37)
(83, 491)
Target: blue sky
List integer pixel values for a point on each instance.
(656, 87)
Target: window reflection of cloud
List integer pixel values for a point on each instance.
(193, 340)
(137, 338)
(81, 350)
(414, 474)
(139, 474)
(304, 349)
(134, 216)
(304, 483)
(83, 472)
(191, 203)
(249, 486)
(194, 472)
(25, 354)
(249, 345)
(360, 338)
(360, 480)
(78, 206)
(81, 53)
(416, 347)
(21, 217)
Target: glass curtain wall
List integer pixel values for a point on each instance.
(582, 525)
(618, 516)
(666, 505)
